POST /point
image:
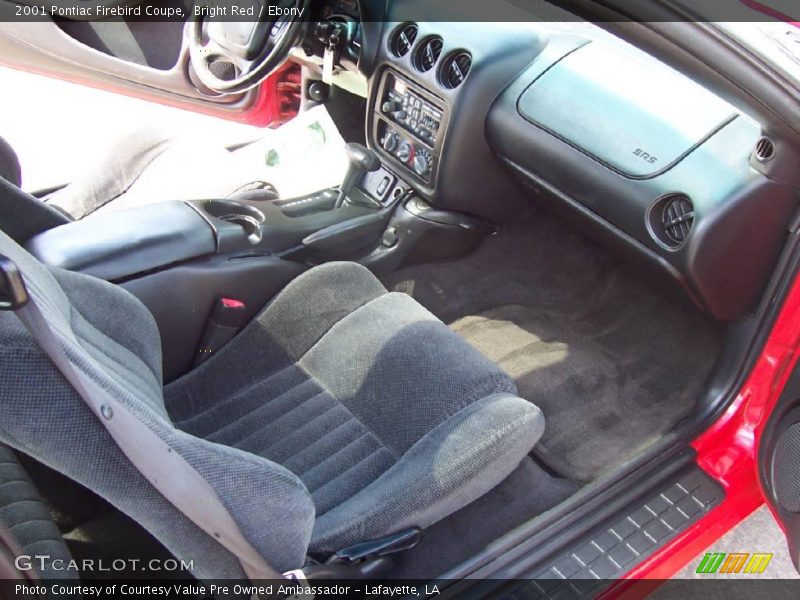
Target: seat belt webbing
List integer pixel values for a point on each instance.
(166, 470)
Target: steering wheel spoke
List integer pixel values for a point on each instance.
(280, 29)
(231, 57)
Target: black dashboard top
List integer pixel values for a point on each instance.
(566, 116)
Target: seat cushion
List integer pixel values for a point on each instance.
(415, 424)
(388, 417)
(112, 338)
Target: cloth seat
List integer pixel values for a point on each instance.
(145, 168)
(342, 413)
(155, 164)
(150, 166)
(24, 515)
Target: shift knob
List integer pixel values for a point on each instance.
(362, 160)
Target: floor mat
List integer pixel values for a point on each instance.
(612, 361)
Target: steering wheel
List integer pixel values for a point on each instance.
(230, 57)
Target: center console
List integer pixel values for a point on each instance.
(409, 126)
(195, 263)
(185, 259)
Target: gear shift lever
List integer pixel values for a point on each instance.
(362, 160)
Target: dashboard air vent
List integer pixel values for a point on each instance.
(402, 39)
(677, 219)
(670, 220)
(765, 149)
(428, 53)
(454, 69)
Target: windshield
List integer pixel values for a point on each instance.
(777, 43)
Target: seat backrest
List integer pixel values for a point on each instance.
(24, 215)
(110, 336)
(9, 164)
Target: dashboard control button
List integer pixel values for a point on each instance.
(389, 238)
(422, 162)
(390, 141)
(404, 151)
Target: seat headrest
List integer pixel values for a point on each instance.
(9, 164)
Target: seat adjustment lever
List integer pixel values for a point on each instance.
(390, 544)
(365, 560)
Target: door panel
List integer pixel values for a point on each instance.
(779, 463)
(148, 60)
(154, 44)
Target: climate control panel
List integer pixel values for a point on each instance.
(413, 155)
(408, 124)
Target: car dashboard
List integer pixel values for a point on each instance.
(488, 119)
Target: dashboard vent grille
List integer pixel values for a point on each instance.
(765, 149)
(402, 39)
(677, 219)
(455, 69)
(428, 53)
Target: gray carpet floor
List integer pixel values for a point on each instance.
(612, 361)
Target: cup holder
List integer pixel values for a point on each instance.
(247, 217)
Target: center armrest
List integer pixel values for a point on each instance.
(118, 244)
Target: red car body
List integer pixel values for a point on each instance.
(728, 452)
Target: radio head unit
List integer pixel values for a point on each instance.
(409, 125)
(404, 106)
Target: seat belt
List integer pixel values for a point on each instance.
(165, 469)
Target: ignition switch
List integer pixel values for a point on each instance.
(335, 37)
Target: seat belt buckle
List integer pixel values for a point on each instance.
(13, 293)
(227, 318)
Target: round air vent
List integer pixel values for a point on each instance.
(454, 69)
(670, 220)
(402, 39)
(427, 53)
(765, 149)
